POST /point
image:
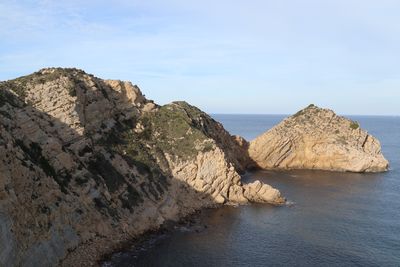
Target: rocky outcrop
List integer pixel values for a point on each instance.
(86, 164)
(316, 138)
(259, 192)
(196, 150)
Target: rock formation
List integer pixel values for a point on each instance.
(316, 138)
(86, 164)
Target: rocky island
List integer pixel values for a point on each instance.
(86, 163)
(316, 138)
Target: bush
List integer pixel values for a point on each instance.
(354, 125)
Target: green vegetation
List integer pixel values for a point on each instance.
(34, 154)
(354, 125)
(191, 111)
(5, 114)
(104, 171)
(20, 85)
(208, 147)
(144, 159)
(132, 147)
(105, 207)
(342, 140)
(130, 198)
(176, 129)
(310, 109)
(3, 96)
(44, 210)
(7, 97)
(298, 113)
(81, 180)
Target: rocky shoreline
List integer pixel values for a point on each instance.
(191, 223)
(96, 253)
(88, 164)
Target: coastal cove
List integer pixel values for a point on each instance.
(205, 134)
(89, 165)
(333, 219)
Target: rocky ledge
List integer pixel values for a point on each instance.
(316, 138)
(86, 164)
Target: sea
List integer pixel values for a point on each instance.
(331, 219)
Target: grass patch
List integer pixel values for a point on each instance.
(354, 125)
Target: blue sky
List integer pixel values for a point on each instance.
(223, 56)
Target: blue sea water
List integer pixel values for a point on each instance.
(335, 219)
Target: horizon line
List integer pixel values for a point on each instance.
(283, 114)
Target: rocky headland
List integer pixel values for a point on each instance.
(86, 164)
(316, 138)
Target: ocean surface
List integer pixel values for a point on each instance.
(333, 219)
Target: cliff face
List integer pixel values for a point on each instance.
(316, 138)
(86, 164)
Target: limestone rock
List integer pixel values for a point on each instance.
(316, 138)
(259, 192)
(86, 164)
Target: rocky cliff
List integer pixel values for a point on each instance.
(316, 138)
(86, 164)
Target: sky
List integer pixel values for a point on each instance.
(236, 56)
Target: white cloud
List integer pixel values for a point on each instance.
(272, 48)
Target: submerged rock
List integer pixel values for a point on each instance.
(316, 138)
